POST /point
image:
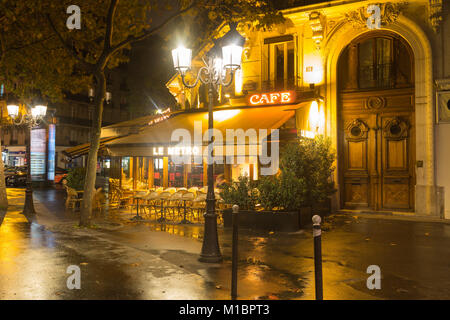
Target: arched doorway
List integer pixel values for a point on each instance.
(376, 123)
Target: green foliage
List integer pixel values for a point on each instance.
(306, 167)
(241, 192)
(269, 191)
(311, 159)
(38, 57)
(75, 178)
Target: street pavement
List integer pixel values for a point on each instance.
(121, 259)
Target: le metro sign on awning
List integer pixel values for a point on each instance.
(272, 98)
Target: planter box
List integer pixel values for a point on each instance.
(265, 220)
(305, 217)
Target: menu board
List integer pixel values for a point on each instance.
(38, 149)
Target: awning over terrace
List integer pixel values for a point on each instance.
(160, 134)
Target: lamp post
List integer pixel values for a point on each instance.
(32, 118)
(214, 74)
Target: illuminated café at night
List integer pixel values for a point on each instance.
(372, 89)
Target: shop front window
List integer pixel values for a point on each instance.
(158, 171)
(176, 175)
(194, 175)
(142, 173)
(127, 173)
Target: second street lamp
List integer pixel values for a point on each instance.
(31, 119)
(214, 74)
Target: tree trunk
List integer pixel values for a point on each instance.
(3, 197)
(91, 168)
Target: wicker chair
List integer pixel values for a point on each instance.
(199, 204)
(72, 198)
(175, 202)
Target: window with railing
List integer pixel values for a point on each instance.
(374, 62)
(280, 63)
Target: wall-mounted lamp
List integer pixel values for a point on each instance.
(108, 97)
(316, 117)
(91, 94)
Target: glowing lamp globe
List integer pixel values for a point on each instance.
(182, 59)
(39, 111)
(232, 56)
(13, 110)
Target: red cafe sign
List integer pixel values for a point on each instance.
(272, 98)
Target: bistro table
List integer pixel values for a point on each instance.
(162, 197)
(185, 221)
(138, 196)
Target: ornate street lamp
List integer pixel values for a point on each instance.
(214, 74)
(32, 118)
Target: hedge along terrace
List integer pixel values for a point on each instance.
(284, 201)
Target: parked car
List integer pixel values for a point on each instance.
(60, 175)
(15, 176)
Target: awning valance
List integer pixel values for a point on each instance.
(83, 149)
(230, 118)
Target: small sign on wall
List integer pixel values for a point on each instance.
(443, 107)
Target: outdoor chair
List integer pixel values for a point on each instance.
(199, 204)
(118, 199)
(152, 199)
(220, 207)
(163, 197)
(99, 200)
(72, 198)
(187, 199)
(172, 190)
(137, 199)
(193, 189)
(175, 202)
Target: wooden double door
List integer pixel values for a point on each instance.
(377, 150)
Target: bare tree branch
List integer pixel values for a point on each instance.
(151, 31)
(110, 25)
(68, 47)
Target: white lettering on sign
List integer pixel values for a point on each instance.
(158, 151)
(183, 151)
(272, 98)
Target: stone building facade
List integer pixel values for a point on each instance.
(381, 73)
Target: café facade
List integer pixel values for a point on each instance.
(374, 77)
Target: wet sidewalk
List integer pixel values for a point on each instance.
(147, 260)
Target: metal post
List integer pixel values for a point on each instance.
(234, 260)
(210, 248)
(317, 256)
(28, 209)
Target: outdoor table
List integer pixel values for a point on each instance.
(185, 221)
(137, 216)
(163, 210)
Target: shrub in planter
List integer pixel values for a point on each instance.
(75, 178)
(241, 192)
(312, 161)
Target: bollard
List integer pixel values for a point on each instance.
(318, 256)
(234, 253)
